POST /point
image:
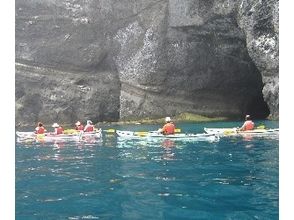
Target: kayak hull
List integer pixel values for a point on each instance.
(47, 137)
(235, 132)
(126, 135)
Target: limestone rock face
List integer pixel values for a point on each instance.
(108, 60)
(260, 22)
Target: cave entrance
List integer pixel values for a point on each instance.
(257, 108)
(255, 105)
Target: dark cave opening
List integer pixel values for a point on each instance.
(257, 108)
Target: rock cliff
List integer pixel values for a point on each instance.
(109, 60)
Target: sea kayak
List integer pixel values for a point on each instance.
(24, 134)
(126, 135)
(234, 132)
(49, 137)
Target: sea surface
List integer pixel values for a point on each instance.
(234, 178)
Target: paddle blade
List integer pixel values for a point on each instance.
(141, 133)
(261, 127)
(70, 131)
(227, 132)
(110, 130)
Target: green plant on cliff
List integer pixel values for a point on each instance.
(190, 117)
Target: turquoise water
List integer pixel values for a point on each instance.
(235, 178)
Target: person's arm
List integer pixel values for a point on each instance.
(243, 127)
(164, 128)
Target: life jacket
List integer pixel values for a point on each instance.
(249, 125)
(80, 127)
(89, 128)
(59, 130)
(40, 130)
(168, 128)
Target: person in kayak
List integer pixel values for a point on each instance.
(168, 128)
(40, 128)
(89, 126)
(248, 124)
(57, 129)
(79, 126)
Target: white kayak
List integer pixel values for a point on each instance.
(48, 137)
(234, 132)
(23, 134)
(125, 135)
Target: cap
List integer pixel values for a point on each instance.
(78, 123)
(167, 119)
(55, 125)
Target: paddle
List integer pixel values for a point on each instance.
(81, 134)
(70, 131)
(260, 127)
(230, 131)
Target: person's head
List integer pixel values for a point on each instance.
(167, 119)
(89, 122)
(55, 125)
(247, 117)
(40, 124)
(78, 123)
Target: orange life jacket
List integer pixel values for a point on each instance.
(40, 130)
(59, 130)
(89, 128)
(80, 127)
(249, 125)
(168, 128)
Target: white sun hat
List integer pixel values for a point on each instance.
(89, 122)
(167, 119)
(55, 125)
(247, 117)
(78, 123)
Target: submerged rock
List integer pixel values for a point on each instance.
(112, 60)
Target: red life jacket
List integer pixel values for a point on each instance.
(59, 130)
(249, 125)
(80, 127)
(89, 128)
(40, 130)
(168, 128)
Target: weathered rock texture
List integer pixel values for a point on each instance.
(260, 22)
(109, 60)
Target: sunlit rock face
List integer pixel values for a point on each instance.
(108, 60)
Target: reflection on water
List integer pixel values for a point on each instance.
(168, 145)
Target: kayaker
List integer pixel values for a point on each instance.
(168, 128)
(248, 124)
(79, 126)
(40, 128)
(57, 129)
(89, 126)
